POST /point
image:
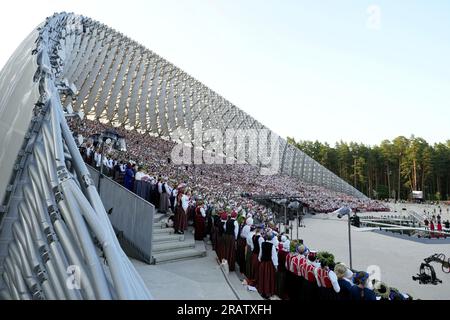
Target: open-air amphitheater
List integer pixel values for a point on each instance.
(55, 224)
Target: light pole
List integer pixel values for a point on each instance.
(342, 212)
(350, 241)
(399, 176)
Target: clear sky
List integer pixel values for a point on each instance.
(327, 70)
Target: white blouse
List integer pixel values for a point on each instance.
(274, 253)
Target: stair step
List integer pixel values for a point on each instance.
(159, 225)
(158, 217)
(172, 246)
(178, 255)
(163, 231)
(167, 237)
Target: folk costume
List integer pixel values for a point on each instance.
(249, 249)
(200, 222)
(180, 221)
(164, 192)
(220, 246)
(229, 240)
(310, 288)
(327, 282)
(215, 222)
(256, 240)
(295, 278)
(268, 264)
(244, 230)
(283, 250)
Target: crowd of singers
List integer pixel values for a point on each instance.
(279, 267)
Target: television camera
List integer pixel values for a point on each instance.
(427, 274)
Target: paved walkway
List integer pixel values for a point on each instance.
(194, 279)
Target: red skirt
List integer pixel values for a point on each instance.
(254, 267)
(220, 247)
(199, 225)
(240, 254)
(266, 279)
(229, 250)
(180, 221)
(214, 237)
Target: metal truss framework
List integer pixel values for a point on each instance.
(121, 82)
(59, 241)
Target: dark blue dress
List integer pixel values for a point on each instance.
(357, 294)
(128, 179)
(345, 293)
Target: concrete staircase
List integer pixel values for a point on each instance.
(169, 247)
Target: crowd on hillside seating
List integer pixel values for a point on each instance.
(222, 185)
(241, 231)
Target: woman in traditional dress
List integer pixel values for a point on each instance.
(249, 249)
(257, 239)
(244, 229)
(179, 212)
(215, 221)
(199, 221)
(229, 240)
(310, 288)
(164, 192)
(283, 251)
(268, 263)
(327, 280)
(220, 246)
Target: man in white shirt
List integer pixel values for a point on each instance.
(173, 197)
(105, 165)
(98, 159)
(89, 151)
(110, 163)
